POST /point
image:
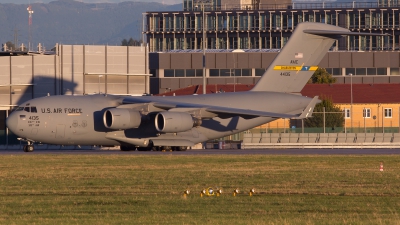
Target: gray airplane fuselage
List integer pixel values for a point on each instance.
(78, 120)
(177, 121)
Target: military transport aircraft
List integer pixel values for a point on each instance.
(175, 122)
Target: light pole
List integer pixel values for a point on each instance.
(351, 101)
(234, 67)
(204, 52)
(203, 43)
(99, 82)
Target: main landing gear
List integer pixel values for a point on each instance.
(169, 148)
(154, 148)
(133, 148)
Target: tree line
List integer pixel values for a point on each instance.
(11, 47)
(131, 42)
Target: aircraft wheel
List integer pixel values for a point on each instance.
(149, 147)
(156, 148)
(28, 148)
(179, 148)
(144, 149)
(182, 148)
(167, 148)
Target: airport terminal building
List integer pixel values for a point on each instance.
(264, 24)
(243, 37)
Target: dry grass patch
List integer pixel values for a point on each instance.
(109, 189)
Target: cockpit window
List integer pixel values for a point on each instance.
(31, 109)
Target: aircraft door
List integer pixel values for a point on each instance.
(22, 120)
(60, 131)
(23, 123)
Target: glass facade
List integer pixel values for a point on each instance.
(183, 73)
(261, 71)
(365, 71)
(230, 72)
(233, 28)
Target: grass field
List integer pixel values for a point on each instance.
(137, 189)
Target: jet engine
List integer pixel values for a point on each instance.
(121, 119)
(173, 122)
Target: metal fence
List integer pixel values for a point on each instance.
(320, 140)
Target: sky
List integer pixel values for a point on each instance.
(92, 1)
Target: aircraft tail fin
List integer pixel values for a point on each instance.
(300, 56)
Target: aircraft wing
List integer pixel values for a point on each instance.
(221, 111)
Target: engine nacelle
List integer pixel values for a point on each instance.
(121, 119)
(173, 122)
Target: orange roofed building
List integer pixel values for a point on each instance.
(375, 107)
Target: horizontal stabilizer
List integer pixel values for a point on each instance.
(330, 33)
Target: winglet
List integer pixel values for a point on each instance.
(309, 109)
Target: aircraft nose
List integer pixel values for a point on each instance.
(12, 121)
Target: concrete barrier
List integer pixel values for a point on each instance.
(328, 141)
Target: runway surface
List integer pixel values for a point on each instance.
(213, 152)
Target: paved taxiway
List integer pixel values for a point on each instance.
(215, 151)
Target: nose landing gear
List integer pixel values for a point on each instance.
(28, 148)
